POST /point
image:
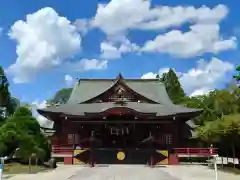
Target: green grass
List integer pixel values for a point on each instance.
(23, 169)
(228, 168)
(7, 176)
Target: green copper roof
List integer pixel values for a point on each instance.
(88, 89)
(81, 109)
(85, 90)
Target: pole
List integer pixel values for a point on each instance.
(151, 165)
(215, 166)
(1, 171)
(29, 165)
(1, 168)
(2, 161)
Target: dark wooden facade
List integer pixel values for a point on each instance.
(119, 119)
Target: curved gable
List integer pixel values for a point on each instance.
(88, 89)
(152, 89)
(121, 88)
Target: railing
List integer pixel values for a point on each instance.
(178, 151)
(196, 151)
(62, 148)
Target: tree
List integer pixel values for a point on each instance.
(235, 91)
(204, 102)
(4, 91)
(173, 86)
(3, 149)
(237, 77)
(209, 132)
(61, 96)
(22, 131)
(215, 104)
(8, 103)
(13, 105)
(230, 132)
(225, 103)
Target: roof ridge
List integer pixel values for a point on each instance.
(128, 79)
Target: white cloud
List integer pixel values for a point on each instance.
(201, 38)
(114, 48)
(151, 75)
(165, 16)
(202, 79)
(109, 51)
(93, 64)
(44, 40)
(118, 16)
(44, 122)
(87, 65)
(201, 91)
(68, 79)
(206, 76)
(39, 104)
(83, 25)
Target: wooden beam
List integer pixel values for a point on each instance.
(119, 122)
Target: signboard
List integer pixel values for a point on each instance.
(162, 157)
(120, 155)
(81, 156)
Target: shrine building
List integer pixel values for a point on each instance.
(119, 121)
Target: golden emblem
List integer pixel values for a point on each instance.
(120, 155)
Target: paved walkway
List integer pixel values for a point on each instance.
(123, 172)
(63, 172)
(198, 172)
(129, 172)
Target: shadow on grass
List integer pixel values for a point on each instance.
(157, 166)
(228, 168)
(23, 169)
(102, 165)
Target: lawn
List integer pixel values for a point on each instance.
(23, 169)
(230, 170)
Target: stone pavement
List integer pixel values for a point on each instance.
(63, 172)
(128, 172)
(198, 172)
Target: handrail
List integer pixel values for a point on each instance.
(195, 150)
(183, 151)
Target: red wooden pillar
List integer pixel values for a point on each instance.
(177, 137)
(176, 140)
(173, 159)
(68, 160)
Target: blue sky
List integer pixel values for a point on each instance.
(45, 45)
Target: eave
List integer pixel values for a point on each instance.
(91, 117)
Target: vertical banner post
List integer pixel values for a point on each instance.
(215, 167)
(1, 168)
